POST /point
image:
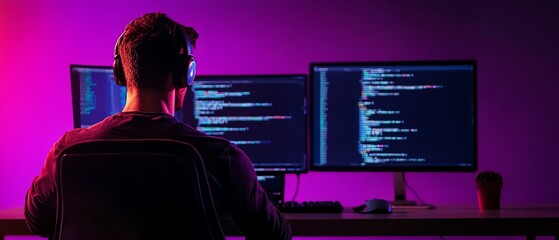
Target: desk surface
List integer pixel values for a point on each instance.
(443, 221)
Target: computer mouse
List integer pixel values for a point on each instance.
(374, 206)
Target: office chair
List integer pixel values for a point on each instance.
(133, 189)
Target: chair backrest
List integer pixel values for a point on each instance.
(134, 189)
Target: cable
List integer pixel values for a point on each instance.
(296, 187)
(412, 190)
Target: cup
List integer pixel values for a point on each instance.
(489, 185)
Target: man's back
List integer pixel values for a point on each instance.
(233, 182)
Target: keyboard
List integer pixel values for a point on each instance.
(311, 207)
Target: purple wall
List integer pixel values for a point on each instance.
(515, 45)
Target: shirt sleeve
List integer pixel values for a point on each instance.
(40, 201)
(251, 210)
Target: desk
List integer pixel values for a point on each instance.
(529, 222)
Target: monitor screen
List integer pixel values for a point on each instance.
(264, 115)
(95, 94)
(394, 116)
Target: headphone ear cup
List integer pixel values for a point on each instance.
(181, 71)
(118, 72)
(191, 70)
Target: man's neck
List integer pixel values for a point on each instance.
(150, 101)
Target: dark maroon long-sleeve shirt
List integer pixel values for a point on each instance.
(235, 188)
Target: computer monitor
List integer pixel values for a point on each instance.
(95, 94)
(264, 115)
(398, 116)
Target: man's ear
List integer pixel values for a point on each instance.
(179, 97)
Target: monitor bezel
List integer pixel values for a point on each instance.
(312, 139)
(307, 109)
(76, 94)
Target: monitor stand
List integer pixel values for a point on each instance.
(400, 200)
(274, 185)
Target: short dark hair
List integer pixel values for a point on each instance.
(150, 48)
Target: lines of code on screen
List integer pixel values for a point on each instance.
(99, 96)
(264, 115)
(393, 116)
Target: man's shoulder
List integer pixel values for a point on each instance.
(79, 135)
(212, 144)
